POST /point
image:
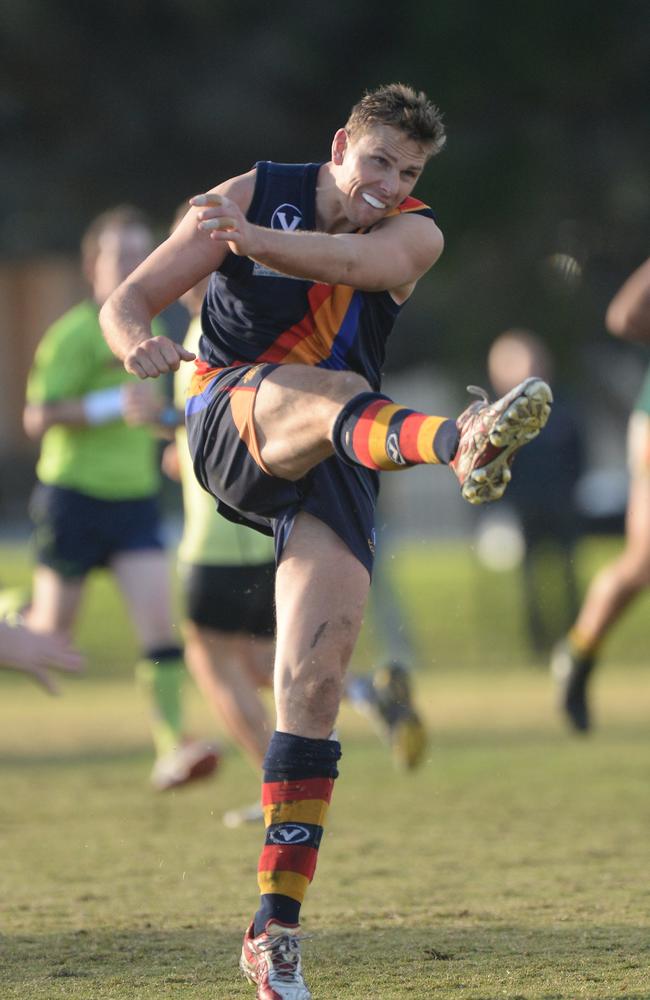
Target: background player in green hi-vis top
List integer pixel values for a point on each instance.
(618, 583)
(310, 265)
(96, 501)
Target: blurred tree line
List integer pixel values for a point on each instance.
(542, 191)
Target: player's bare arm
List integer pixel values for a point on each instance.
(186, 256)
(392, 256)
(36, 654)
(628, 315)
(39, 417)
(134, 403)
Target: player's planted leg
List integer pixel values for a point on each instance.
(272, 962)
(321, 592)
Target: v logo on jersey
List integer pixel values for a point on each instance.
(289, 833)
(286, 217)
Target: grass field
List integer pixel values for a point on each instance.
(514, 864)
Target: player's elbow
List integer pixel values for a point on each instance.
(109, 313)
(105, 319)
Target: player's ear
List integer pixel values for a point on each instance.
(339, 145)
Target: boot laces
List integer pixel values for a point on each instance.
(476, 390)
(285, 954)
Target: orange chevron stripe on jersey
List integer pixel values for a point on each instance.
(408, 205)
(199, 392)
(311, 340)
(202, 375)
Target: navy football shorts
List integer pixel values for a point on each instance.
(75, 533)
(227, 463)
(231, 598)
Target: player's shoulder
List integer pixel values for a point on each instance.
(415, 216)
(413, 222)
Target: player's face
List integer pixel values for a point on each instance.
(376, 171)
(119, 252)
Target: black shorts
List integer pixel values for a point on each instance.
(231, 598)
(75, 533)
(227, 463)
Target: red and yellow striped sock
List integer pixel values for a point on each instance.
(294, 815)
(373, 431)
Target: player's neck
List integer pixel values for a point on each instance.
(330, 212)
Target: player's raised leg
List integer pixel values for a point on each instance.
(303, 415)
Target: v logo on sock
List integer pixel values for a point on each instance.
(289, 835)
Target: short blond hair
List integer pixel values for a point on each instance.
(402, 107)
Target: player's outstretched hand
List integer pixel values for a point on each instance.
(222, 219)
(156, 356)
(36, 653)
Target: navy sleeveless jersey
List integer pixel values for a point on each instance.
(253, 314)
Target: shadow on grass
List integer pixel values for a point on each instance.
(378, 961)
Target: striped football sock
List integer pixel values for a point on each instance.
(299, 777)
(374, 432)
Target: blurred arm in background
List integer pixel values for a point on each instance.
(36, 654)
(628, 315)
(135, 403)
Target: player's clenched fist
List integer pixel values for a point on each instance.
(155, 357)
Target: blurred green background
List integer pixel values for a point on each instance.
(545, 104)
(542, 190)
